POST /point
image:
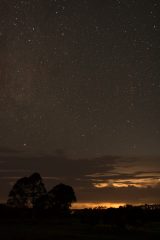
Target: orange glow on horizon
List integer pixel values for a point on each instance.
(82, 205)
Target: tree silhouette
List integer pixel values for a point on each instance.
(44, 202)
(59, 198)
(63, 196)
(26, 191)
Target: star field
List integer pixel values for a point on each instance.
(80, 96)
(80, 76)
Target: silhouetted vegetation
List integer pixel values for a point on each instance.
(50, 212)
(26, 191)
(30, 192)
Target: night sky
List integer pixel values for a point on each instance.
(80, 96)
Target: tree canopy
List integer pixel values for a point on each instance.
(62, 195)
(59, 198)
(26, 191)
(30, 192)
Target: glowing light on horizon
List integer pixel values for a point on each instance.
(82, 205)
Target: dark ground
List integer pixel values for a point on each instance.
(16, 229)
(127, 223)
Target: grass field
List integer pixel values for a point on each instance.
(73, 229)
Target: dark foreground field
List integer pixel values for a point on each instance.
(16, 229)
